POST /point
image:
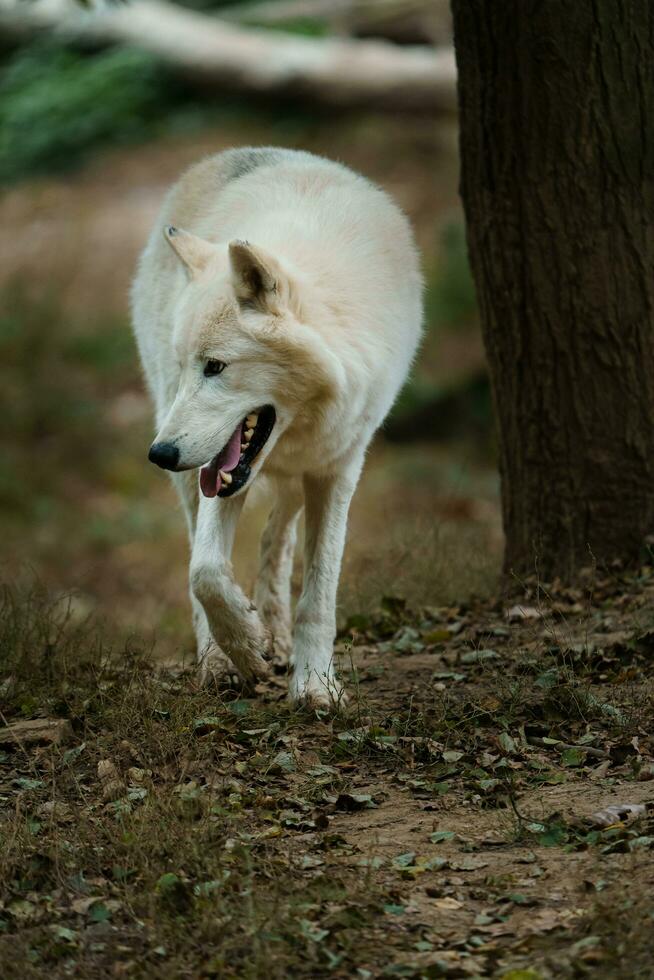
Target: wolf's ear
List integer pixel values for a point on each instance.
(259, 278)
(195, 253)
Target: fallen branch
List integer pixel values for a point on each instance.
(37, 731)
(421, 21)
(333, 11)
(596, 753)
(336, 71)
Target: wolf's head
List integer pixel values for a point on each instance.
(249, 364)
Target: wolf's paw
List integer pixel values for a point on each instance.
(281, 647)
(281, 639)
(215, 667)
(316, 691)
(251, 655)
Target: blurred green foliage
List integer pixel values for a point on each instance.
(463, 404)
(307, 25)
(450, 301)
(217, 5)
(304, 26)
(57, 103)
(53, 377)
(75, 425)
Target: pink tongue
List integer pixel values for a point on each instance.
(227, 460)
(209, 479)
(230, 455)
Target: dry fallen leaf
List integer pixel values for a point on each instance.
(82, 905)
(107, 770)
(136, 775)
(519, 612)
(113, 787)
(467, 863)
(618, 813)
(545, 920)
(447, 903)
(55, 810)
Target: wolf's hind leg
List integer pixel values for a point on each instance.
(272, 594)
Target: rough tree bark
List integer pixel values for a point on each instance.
(556, 104)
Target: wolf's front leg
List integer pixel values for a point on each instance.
(213, 664)
(231, 617)
(327, 501)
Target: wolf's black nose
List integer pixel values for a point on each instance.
(164, 454)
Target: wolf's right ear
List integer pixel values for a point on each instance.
(195, 253)
(259, 278)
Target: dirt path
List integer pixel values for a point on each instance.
(450, 821)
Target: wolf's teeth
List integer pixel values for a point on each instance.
(225, 477)
(252, 420)
(244, 446)
(247, 435)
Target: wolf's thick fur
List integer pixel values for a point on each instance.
(303, 278)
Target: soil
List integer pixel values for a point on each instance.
(458, 798)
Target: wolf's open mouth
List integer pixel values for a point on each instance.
(230, 469)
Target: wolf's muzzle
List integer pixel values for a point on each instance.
(164, 454)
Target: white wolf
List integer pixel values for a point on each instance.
(275, 331)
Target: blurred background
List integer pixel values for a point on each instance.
(93, 129)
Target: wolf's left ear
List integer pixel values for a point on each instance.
(259, 278)
(194, 252)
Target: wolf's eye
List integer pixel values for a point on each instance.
(212, 368)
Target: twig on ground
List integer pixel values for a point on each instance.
(596, 753)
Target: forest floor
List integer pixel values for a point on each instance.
(451, 820)
(442, 823)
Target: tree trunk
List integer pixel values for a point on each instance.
(556, 103)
